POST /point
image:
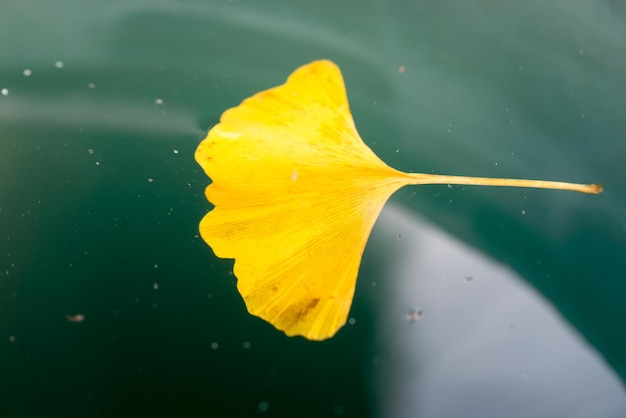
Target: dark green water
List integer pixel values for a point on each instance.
(104, 103)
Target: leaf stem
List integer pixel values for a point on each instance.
(419, 178)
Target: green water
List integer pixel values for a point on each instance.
(104, 103)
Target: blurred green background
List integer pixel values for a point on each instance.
(103, 103)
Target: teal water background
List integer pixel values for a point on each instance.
(102, 105)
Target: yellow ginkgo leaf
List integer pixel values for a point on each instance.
(296, 194)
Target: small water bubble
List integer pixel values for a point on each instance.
(90, 151)
(175, 151)
(338, 410)
(5, 92)
(155, 286)
(246, 345)
(523, 212)
(156, 266)
(27, 72)
(91, 85)
(581, 51)
(11, 338)
(215, 345)
(158, 101)
(402, 69)
(351, 321)
(150, 179)
(263, 406)
(59, 64)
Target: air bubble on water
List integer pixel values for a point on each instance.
(150, 179)
(246, 345)
(91, 85)
(11, 338)
(5, 92)
(214, 345)
(175, 151)
(158, 101)
(351, 321)
(155, 286)
(27, 72)
(90, 151)
(59, 64)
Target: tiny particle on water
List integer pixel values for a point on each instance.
(27, 72)
(469, 279)
(155, 286)
(263, 406)
(156, 266)
(175, 151)
(11, 338)
(91, 85)
(294, 175)
(581, 51)
(414, 315)
(75, 319)
(59, 64)
(402, 69)
(90, 151)
(246, 345)
(158, 101)
(97, 162)
(5, 92)
(351, 321)
(523, 212)
(214, 345)
(150, 179)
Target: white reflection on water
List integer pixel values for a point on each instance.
(486, 347)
